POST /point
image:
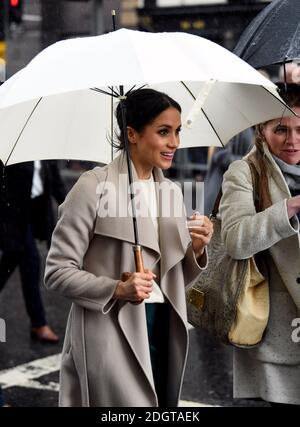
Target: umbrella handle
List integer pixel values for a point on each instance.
(139, 266)
(138, 258)
(139, 263)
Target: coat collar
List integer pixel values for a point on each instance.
(174, 236)
(173, 242)
(274, 169)
(115, 200)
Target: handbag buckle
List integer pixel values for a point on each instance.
(196, 298)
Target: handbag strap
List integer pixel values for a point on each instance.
(257, 196)
(215, 209)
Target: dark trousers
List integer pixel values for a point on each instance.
(29, 264)
(1, 397)
(157, 316)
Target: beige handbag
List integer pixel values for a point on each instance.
(252, 310)
(231, 297)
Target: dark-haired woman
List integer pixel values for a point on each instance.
(126, 341)
(270, 371)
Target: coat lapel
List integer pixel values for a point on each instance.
(174, 237)
(114, 217)
(277, 176)
(118, 224)
(275, 171)
(132, 320)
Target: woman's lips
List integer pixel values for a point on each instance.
(167, 156)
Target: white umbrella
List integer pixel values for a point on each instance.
(48, 110)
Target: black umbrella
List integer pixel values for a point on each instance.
(273, 37)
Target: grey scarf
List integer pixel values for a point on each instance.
(291, 173)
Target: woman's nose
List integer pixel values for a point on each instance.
(174, 141)
(292, 137)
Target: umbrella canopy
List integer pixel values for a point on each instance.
(55, 107)
(273, 37)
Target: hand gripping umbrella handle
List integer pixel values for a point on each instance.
(139, 265)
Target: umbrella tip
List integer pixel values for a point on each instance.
(113, 16)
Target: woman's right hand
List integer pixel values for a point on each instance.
(137, 288)
(293, 206)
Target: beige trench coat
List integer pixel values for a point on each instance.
(272, 369)
(105, 359)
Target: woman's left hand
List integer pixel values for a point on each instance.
(201, 230)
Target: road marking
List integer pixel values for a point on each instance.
(51, 386)
(188, 403)
(21, 375)
(31, 18)
(27, 374)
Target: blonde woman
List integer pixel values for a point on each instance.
(270, 371)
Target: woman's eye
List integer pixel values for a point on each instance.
(163, 132)
(280, 130)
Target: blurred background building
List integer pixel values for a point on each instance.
(221, 21)
(27, 26)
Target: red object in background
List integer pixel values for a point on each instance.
(15, 11)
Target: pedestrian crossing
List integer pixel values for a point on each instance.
(28, 375)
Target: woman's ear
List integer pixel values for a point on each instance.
(131, 135)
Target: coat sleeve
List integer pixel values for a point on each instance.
(70, 241)
(244, 231)
(192, 266)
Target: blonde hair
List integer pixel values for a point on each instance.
(291, 95)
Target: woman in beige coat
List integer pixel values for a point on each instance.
(119, 351)
(270, 371)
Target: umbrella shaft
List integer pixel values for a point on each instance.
(125, 139)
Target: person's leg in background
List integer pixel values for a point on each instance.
(30, 278)
(1, 397)
(8, 264)
(157, 315)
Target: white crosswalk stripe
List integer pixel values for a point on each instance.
(22, 374)
(27, 375)
(189, 404)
